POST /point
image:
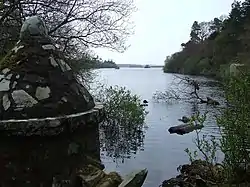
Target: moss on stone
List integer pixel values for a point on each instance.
(14, 59)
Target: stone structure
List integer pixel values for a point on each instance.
(39, 93)
(65, 161)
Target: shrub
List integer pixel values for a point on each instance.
(234, 122)
(121, 105)
(122, 130)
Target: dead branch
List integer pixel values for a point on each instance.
(184, 88)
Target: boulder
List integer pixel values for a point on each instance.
(134, 179)
(36, 82)
(91, 176)
(197, 174)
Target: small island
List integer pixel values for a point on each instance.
(106, 64)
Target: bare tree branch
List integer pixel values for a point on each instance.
(184, 88)
(91, 23)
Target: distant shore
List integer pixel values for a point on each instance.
(139, 66)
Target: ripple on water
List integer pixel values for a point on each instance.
(161, 153)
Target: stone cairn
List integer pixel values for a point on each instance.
(39, 93)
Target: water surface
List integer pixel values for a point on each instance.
(160, 152)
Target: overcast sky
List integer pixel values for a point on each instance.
(161, 26)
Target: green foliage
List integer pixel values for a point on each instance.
(234, 123)
(218, 42)
(122, 128)
(207, 146)
(235, 134)
(195, 31)
(121, 106)
(191, 155)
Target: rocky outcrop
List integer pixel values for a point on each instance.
(38, 89)
(201, 173)
(91, 176)
(197, 174)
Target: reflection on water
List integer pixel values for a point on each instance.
(35, 161)
(162, 153)
(120, 141)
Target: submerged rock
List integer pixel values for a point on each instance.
(184, 129)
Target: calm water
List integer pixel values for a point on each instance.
(158, 151)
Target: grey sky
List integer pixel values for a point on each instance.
(162, 25)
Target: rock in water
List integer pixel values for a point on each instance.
(36, 80)
(184, 129)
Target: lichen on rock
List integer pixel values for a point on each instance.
(37, 76)
(6, 102)
(42, 92)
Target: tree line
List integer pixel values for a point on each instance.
(215, 44)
